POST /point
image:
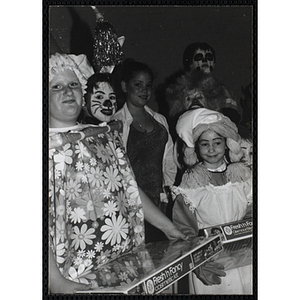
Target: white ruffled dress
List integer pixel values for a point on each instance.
(205, 199)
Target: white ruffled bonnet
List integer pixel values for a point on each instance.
(194, 122)
(79, 64)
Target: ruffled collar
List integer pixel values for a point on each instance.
(221, 168)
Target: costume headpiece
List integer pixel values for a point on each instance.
(178, 87)
(194, 122)
(107, 50)
(76, 63)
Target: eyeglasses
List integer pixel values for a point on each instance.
(200, 56)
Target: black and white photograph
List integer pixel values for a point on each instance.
(151, 128)
(78, 221)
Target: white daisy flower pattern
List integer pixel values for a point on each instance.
(112, 178)
(82, 237)
(93, 207)
(63, 157)
(81, 150)
(114, 230)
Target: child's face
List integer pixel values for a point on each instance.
(203, 60)
(65, 97)
(211, 149)
(138, 89)
(103, 102)
(247, 149)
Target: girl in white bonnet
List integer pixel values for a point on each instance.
(215, 189)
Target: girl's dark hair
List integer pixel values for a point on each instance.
(132, 67)
(189, 51)
(96, 78)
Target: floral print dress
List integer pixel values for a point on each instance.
(95, 211)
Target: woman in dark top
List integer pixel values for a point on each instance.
(147, 139)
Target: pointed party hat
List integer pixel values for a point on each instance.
(107, 49)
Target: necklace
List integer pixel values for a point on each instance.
(141, 126)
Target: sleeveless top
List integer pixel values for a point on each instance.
(145, 151)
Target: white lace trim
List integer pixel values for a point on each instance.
(175, 190)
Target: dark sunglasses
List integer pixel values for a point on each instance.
(200, 56)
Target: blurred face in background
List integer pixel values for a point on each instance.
(247, 148)
(194, 99)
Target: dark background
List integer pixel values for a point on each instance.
(158, 35)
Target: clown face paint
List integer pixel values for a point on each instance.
(194, 99)
(203, 60)
(247, 149)
(103, 103)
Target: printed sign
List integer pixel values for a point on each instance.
(207, 251)
(237, 230)
(169, 275)
(165, 273)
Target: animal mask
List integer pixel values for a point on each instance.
(103, 103)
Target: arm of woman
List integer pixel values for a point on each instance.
(60, 285)
(210, 272)
(184, 218)
(155, 217)
(169, 165)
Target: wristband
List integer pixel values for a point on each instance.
(108, 127)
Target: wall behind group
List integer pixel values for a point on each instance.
(158, 35)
